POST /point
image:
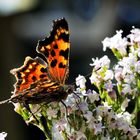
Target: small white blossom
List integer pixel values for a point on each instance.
(116, 42)
(103, 109)
(80, 136)
(119, 73)
(137, 67)
(132, 132)
(107, 138)
(17, 107)
(129, 78)
(80, 81)
(61, 124)
(127, 117)
(108, 86)
(138, 137)
(83, 106)
(51, 113)
(122, 125)
(56, 135)
(98, 63)
(71, 102)
(95, 79)
(93, 96)
(108, 75)
(98, 128)
(128, 63)
(3, 135)
(125, 104)
(134, 36)
(88, 116)
(126, 89)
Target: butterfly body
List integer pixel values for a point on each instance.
(43, 93)
(43, 80)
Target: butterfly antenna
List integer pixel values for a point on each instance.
(5, 101)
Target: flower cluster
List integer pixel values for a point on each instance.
(102, 113)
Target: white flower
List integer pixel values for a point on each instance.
(103, 109)
(137, 67)
(80, 136)
(119, 73)
(83, 106)
(116, 42)
(71, 103)
(3, 135)
(129, 78)
(93, 96)
(80, 81)
(51, 113)
(127, 117)
(95, 79)
(132, 132)
(108, 75)
(88, 116)
(107, 138)
(61, 124)
(128, 63)
(125, 104)
(122, 125)
(56, 135)
(123, 121)
(98, 128)
(126, 88)
(98, 63)
(138, 137)
(134, 36)
(106, 43)
(109, 86)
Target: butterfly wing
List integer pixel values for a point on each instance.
(55, 48)
(32, 71)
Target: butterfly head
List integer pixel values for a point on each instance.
(68, 88)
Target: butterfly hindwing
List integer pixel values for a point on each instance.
(32, 71)
(56, 50)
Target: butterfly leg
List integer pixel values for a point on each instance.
(67, 115)
(76, 94)
(28, 108)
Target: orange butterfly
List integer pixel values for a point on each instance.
(44, 81)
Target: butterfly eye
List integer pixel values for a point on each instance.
(69, 89)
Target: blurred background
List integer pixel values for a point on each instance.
(24, 22)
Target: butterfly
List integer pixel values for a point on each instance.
(43, 80)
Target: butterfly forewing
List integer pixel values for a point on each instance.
(56, 50)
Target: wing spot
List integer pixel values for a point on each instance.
(53, 53)
(61, 65)
(34, 78)
(64, 36)
(46, 53)
(43, 70)
(55, 46)
(42, 76)
(64, 53)
(53, 63)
